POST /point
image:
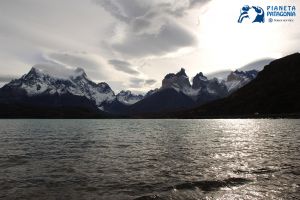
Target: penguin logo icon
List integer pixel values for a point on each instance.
(260, 17)
(244, 14)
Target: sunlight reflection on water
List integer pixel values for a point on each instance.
(163, 159)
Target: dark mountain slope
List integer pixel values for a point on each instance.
(47, 106)
(275, 91)
(163, 101)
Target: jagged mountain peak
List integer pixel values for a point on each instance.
(151, 92)
(125, 92)
(104, 88)
(179, 81)
(128, 92)
(79, 72)
(275, 92)
(200, 76)
(245, 73)
(40, 82)
(199, 81)
(56, 71)
(181, 73)
(128, 98)
(34, 70)
(33, 73)
(103, 85)
(238, 79)
(241, 75)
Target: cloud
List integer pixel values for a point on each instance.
(128, 10)
(258, 64)
(141, 83)
(150, 82)
(55, 69)
(123, 66)
(140, 24)
(194, 3)
(91, 63)
(74, 60)
(170, 38)
(62, 64)
(7, 78)
(113, 9)
(150, 28)
(136, 82)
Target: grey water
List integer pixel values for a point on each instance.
(150, 159)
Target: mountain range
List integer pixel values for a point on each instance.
(177, 93)
(42, 94)
(274, 90)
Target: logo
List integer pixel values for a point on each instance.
(246, 14)
(270, 13)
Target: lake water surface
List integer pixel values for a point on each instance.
(150, 159)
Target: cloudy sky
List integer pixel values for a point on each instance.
(133, 44)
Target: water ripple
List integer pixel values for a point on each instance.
(150, 159)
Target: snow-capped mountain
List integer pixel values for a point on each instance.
(237, 79)
(208, 87)
(127, 98)
(199, 81)
(75, 90)
(37, 82)
(179, 82)
(177, 93)
(275, 92)
(40, 83)
(201, 85)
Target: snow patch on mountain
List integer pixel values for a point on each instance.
(237, 79)
(127, 98)
(58, 71)
(180, 82)
(39, 82)
(201, 85)
(205, 88)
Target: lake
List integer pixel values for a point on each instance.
(124, 159)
